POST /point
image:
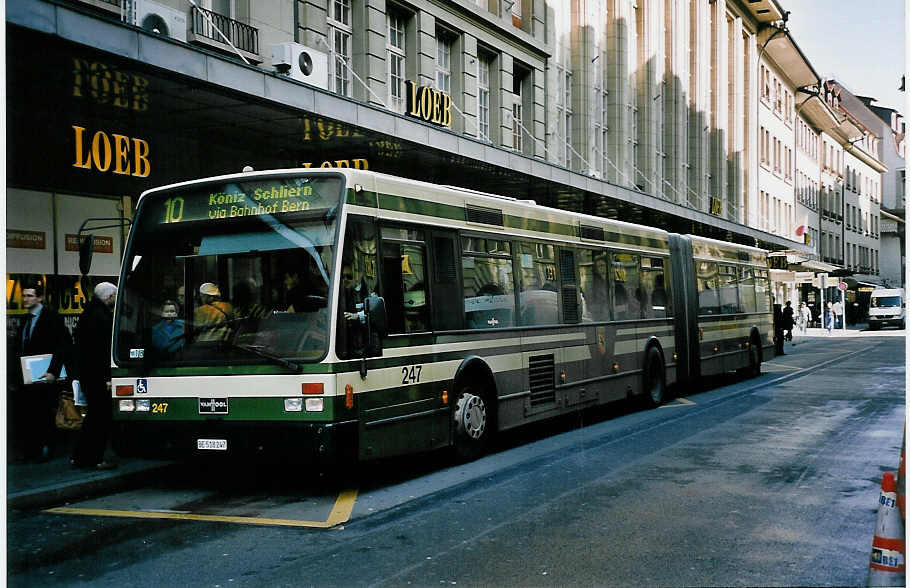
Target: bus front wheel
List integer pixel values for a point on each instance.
(472, 423)
(655, 380)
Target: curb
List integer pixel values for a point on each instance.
(93, 484)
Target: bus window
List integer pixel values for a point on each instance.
(404, 280)
(726, 286)
(592, 272)
(653, 287)
(538, 294)
(747, 289)
(706, 278)
(358, 280)
(626, 287)
(489, 291)
(762, 291)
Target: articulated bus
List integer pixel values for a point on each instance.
(345, 314)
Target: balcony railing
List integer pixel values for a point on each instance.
(243, 36)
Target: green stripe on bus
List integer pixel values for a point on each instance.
(453, 212)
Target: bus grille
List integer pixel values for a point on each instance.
(487, 216)
(542, 377)
(592, 233)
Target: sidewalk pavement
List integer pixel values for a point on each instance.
(55, 481)
(39, 485)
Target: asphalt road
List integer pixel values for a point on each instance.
(771, 481)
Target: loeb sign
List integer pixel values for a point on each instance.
(429, 104)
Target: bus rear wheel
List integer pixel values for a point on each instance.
(473, 423)
(654, 379)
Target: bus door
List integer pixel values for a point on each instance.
(685, 308)
(408, 412)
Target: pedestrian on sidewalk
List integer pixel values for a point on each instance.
(805, 317)
(93, 365)
(838, 315)
(788, 321)
(32, 406)
(829, 318)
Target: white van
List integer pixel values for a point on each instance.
(887, 307)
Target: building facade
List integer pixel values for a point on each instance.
(650, 111)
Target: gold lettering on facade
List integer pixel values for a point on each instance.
(429, 104)
(106, 85)
(102, 153)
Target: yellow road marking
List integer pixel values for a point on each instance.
(682, 402)
(341, 513)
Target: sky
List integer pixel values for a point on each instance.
(860, 43)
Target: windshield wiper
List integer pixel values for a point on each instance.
(256, 350)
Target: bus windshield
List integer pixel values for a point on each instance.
(227, 273)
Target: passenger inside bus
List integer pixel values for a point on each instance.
(212, 318)
(168, 334)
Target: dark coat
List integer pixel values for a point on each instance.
(93, 343)
(48, 336)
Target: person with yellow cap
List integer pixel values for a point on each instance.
(212, 319)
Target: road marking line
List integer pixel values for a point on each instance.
(682, 402)
(341, 513)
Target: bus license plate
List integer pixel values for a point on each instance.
(215, 444)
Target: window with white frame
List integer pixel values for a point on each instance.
(600, 123)
(443, 62)
(517, 143)
(564, 112)
(396, 57)
(484, 65)
(340, 33)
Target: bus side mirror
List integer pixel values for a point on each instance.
(376, 315)
(86, 249)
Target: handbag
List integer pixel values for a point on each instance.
(68, 417)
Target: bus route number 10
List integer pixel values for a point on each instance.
(410, 374)
(173, 210)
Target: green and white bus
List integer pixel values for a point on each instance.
(337, 314)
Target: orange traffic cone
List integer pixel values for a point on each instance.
(886, 566)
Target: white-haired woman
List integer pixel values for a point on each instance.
(93, 363)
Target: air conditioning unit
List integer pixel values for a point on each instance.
(302, 63)
(162, 20)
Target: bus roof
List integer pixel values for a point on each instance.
(408, 187)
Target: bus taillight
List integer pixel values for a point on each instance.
(348, 396)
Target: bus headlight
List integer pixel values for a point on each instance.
(314, 404)
(293, 404)
(127, 405)
(143, 405)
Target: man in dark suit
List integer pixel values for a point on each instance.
(42, 332)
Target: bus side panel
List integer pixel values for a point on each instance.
(685, 307)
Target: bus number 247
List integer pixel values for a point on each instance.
(410, 374)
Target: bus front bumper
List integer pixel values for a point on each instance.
(296, 442)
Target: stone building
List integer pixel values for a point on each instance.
(646, 111)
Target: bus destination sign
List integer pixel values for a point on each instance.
(268, 197)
